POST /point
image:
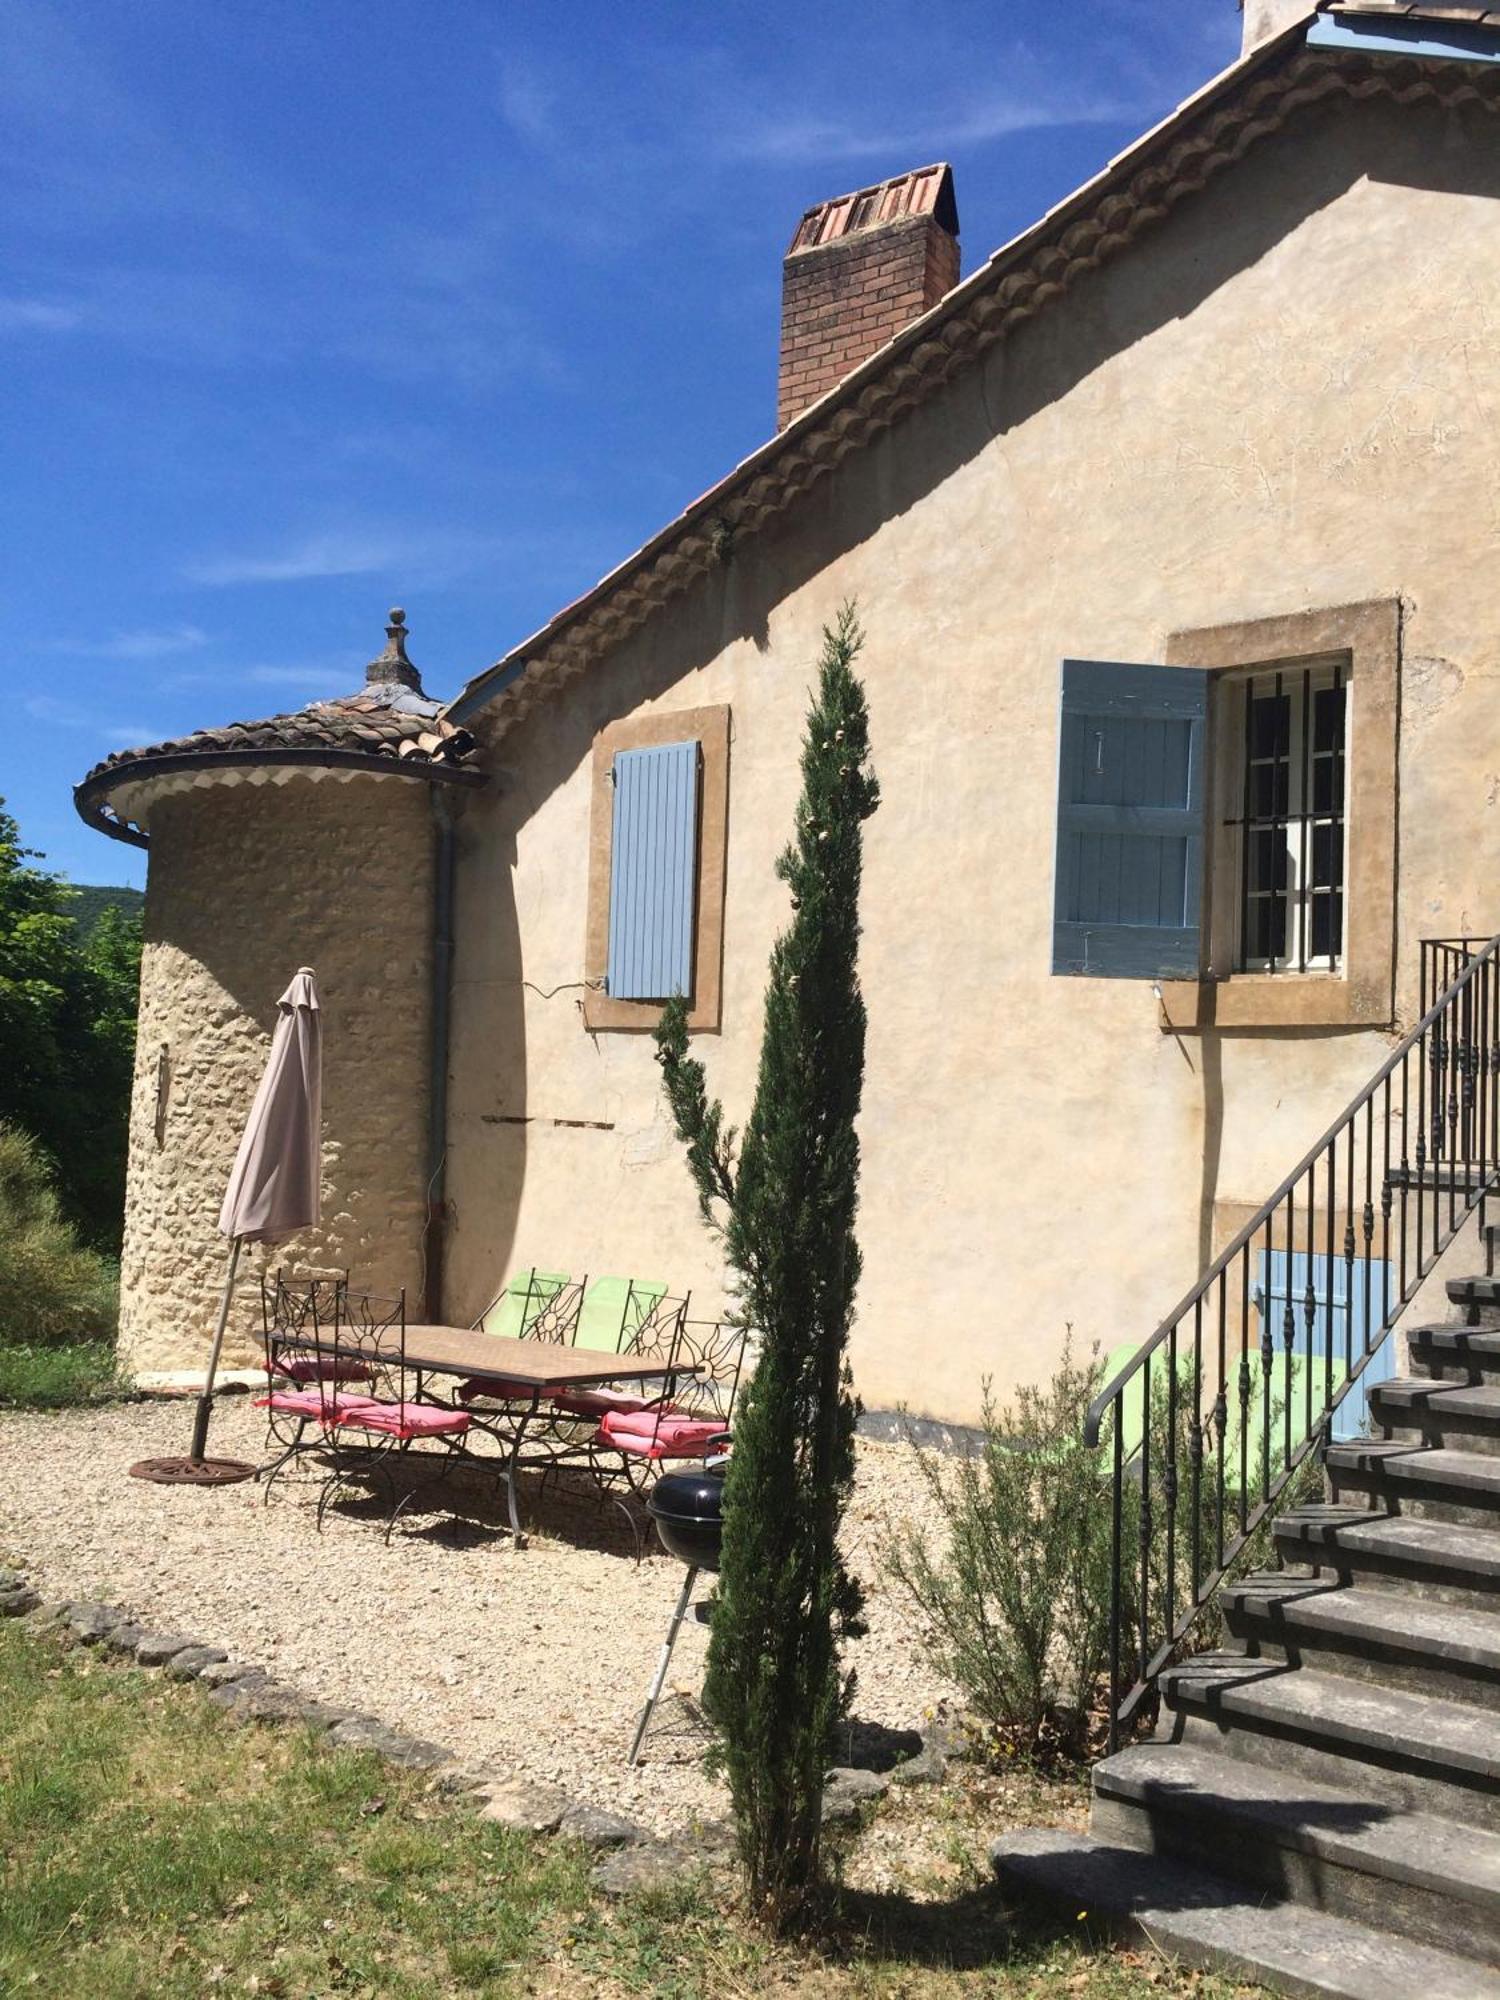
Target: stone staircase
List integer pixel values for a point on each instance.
(1320, 1809)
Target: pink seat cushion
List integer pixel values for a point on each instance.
(644, 1434)
(500, 1387)
(405, 1420)
(322, 1368)
(310, 1403)
(598, 1402)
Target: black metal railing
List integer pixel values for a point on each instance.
(1442, 960)
(1211, 1420)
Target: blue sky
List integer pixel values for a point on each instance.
(310, 309)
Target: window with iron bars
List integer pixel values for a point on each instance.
(1291, 821)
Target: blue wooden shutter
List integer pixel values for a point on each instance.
(653, 878)
(1130, 820)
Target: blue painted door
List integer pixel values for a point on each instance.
(1347, 1307)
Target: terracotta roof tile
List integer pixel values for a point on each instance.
(360, 721)
(1418, 10)
(389, 720)
(924, 191)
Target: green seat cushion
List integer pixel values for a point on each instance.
(613, 1311)
(514, 1313)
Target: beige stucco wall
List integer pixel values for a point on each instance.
(1285, 396)
(245, 884)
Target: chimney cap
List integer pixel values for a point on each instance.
(923, 191)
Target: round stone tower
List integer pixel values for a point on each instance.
(321, 838)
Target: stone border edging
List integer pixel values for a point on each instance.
(633, 1860)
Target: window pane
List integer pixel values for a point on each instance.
(1265, 927)
(1328, 719)
(1270, 724)
(1268, 861)
(1327, 925)
(1292, 820)
(1328, 855)
(1269, 797)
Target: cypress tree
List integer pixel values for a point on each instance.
(783, 1200)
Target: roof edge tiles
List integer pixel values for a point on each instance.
(1139, 188)
(389, 728)
(1417, 10)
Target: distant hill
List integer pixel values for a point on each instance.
(92, 902)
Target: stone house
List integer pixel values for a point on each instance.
(1168, 527)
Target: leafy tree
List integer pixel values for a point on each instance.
(67, 1025)
(53, 1292)
(784, 1203)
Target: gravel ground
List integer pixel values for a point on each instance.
(535, 1659)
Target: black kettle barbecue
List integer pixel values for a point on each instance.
(688, 1509)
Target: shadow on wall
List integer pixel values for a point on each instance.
(487, 1103)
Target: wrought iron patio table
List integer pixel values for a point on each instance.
(543, 1366)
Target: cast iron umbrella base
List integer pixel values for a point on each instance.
(192, 1471)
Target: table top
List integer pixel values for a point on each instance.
(547, 1364)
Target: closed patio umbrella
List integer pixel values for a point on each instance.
(275, 1187)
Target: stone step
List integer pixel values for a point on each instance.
(1407, 1750)
(1205, 1921)
(1479, 1297)
(1456, 1353)
(1461, 1179)
(1446, 1560)
(1390, 1637)
(1429, 1482)
(1328, 1847)
(1463, 1413)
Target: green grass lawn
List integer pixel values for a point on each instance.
(149, 1849)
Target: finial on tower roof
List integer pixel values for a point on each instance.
(392, 665)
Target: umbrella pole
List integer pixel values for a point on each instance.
(206, 1400)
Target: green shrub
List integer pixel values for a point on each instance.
(58, 1378)
(53, 1292)
(1017, 1598)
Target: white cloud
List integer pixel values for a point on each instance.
(793, 141)
(70, 715)
(408, 561)
(528, 105)
(143, 645)
(303, 676)
(36, 316)
(319, 556)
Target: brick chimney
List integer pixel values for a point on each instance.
(860, 268)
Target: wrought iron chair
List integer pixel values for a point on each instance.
(294, 1312)
(533, 1305)
(691, 1419)
(365, 1435)
(622, 1316)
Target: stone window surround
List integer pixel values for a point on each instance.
(1367, 637)
(710, 727)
